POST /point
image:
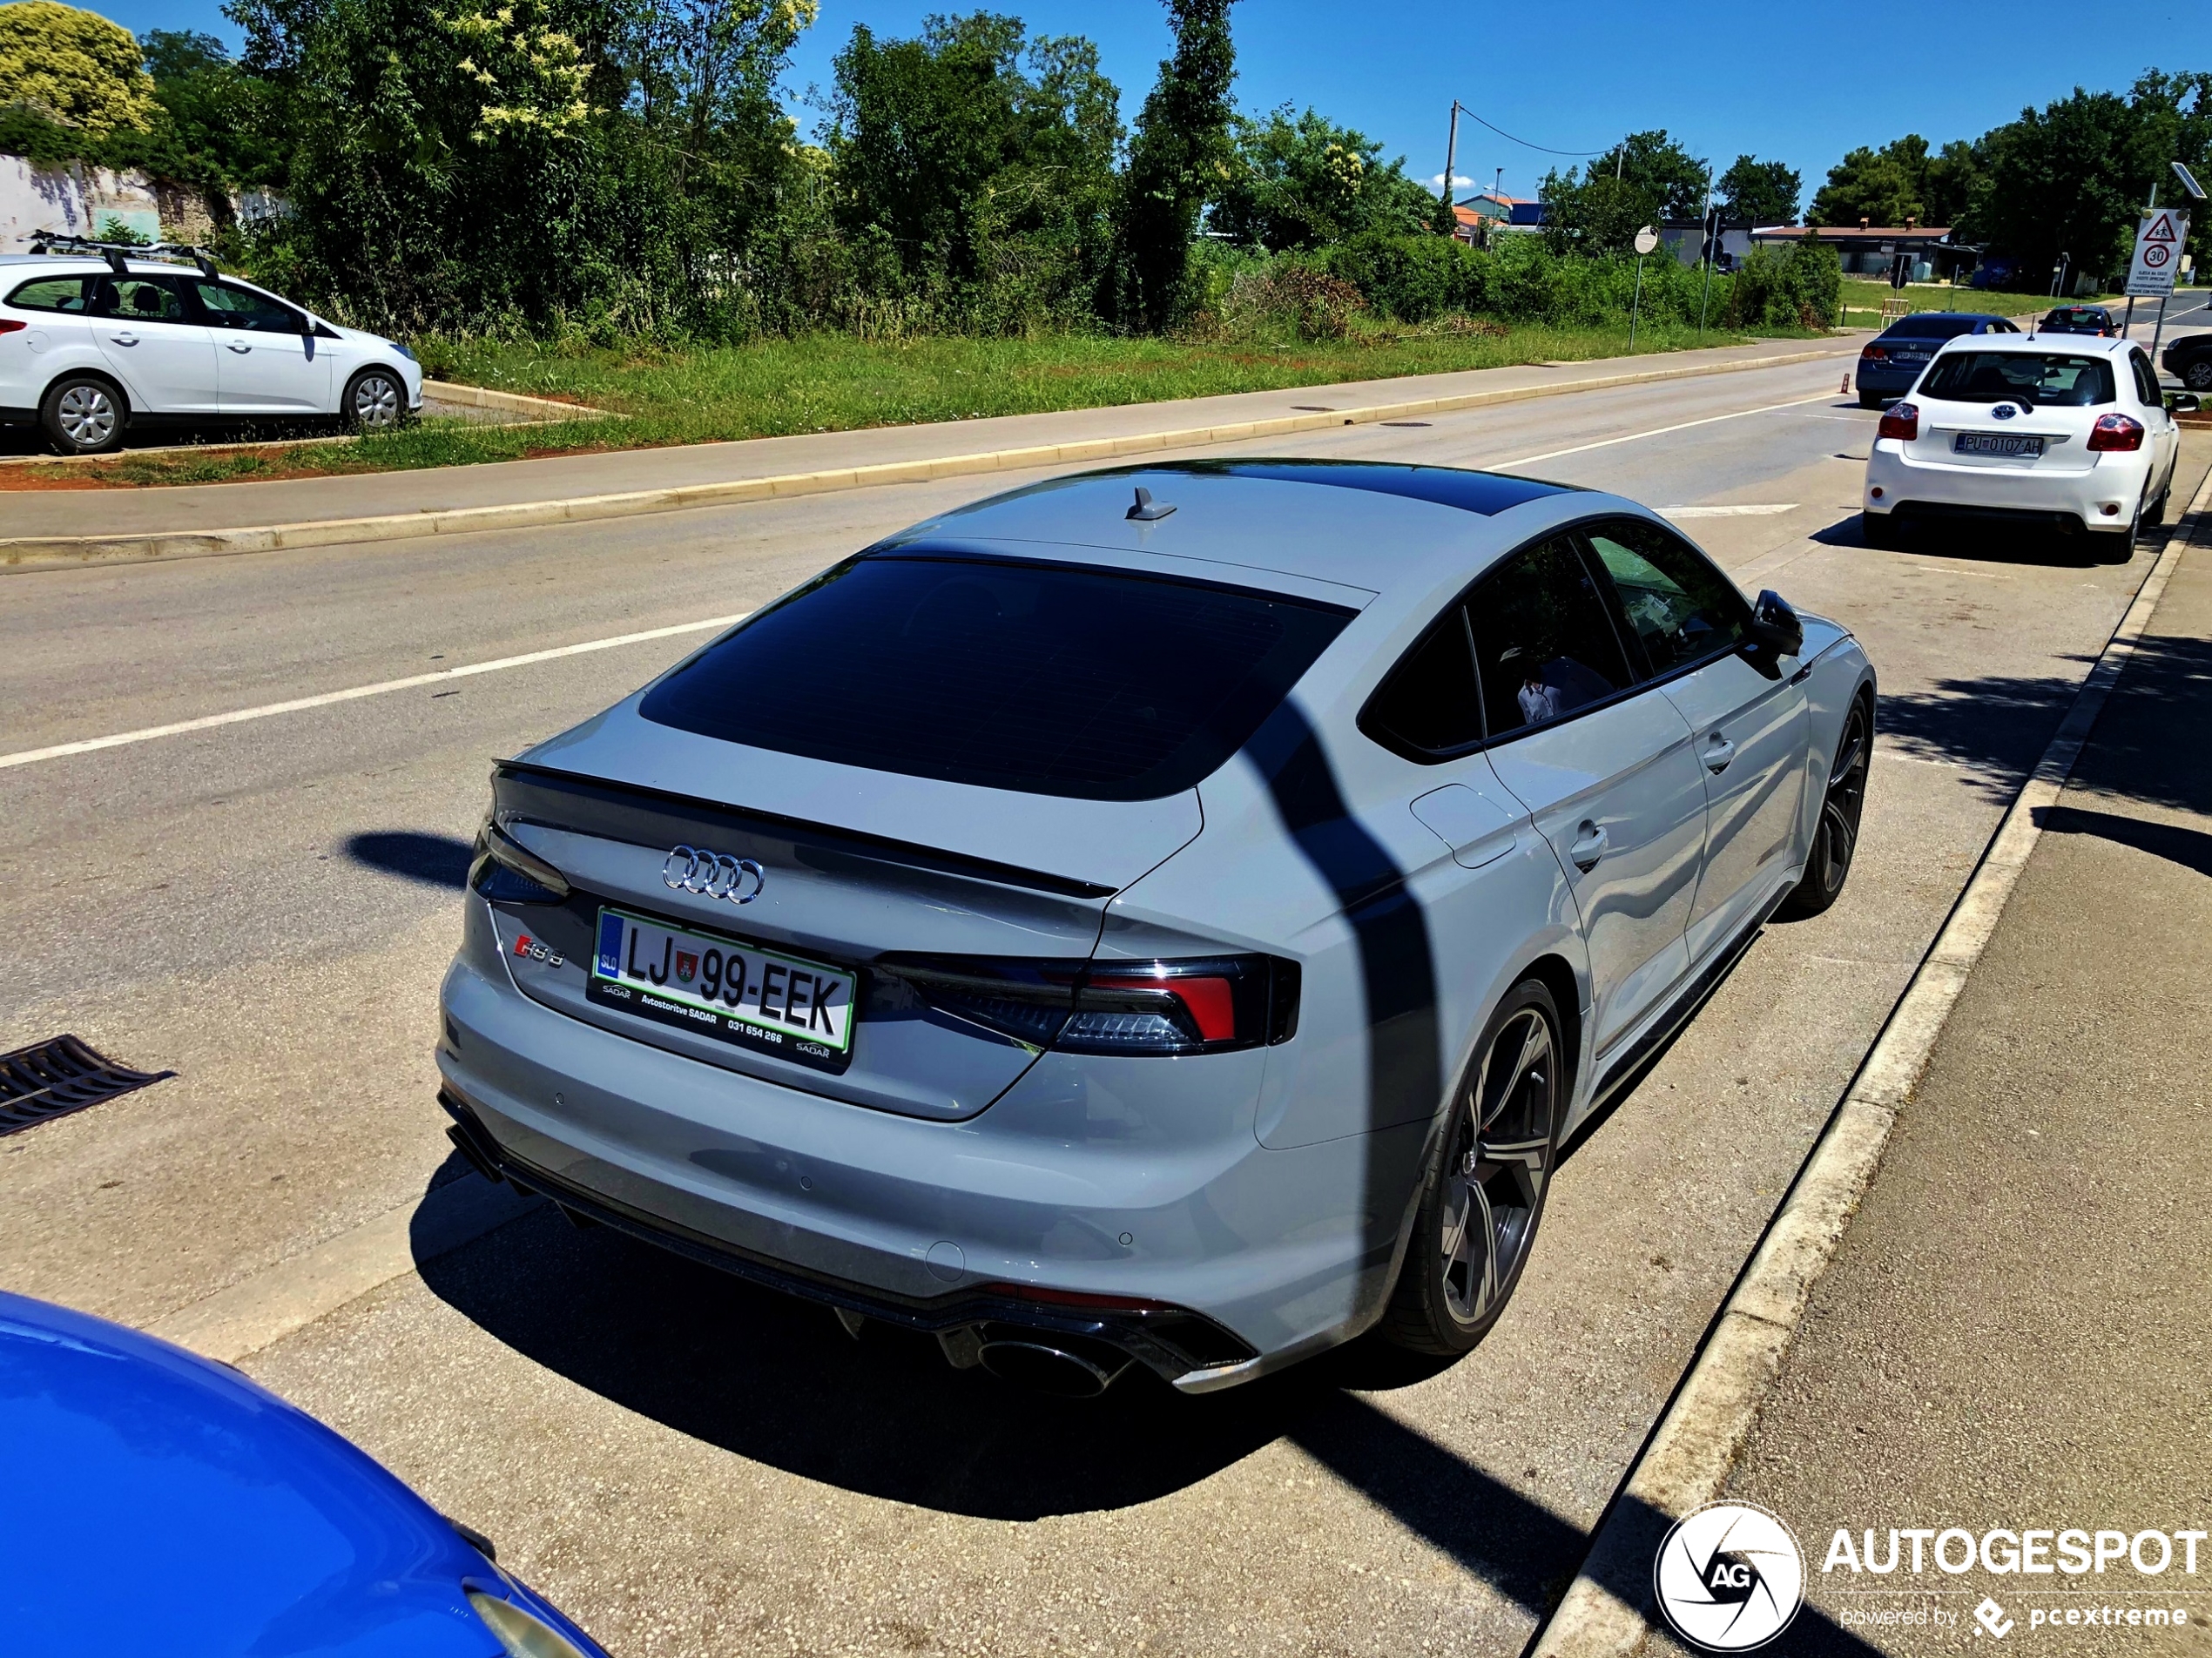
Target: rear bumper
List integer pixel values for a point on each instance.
(2102, 497)
(1887, 378)
(1209, 1266)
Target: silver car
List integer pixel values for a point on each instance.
(1170, 916)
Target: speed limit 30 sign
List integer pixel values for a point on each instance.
(2159, 241)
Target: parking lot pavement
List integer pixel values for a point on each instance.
(694, 1468)
(2014, 1332)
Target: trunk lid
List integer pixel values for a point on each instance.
(2063, 433)
(855, 864)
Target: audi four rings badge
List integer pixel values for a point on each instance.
(712, 874)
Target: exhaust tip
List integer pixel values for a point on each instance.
(1050, 1369)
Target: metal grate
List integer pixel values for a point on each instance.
(51, 1079)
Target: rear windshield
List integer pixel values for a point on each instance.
(1932, 324)
(1044, 679)
(2032, 377)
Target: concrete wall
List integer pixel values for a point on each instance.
(73, 198)
(78, 200)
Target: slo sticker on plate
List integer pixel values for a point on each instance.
(784, 1005)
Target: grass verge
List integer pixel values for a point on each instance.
(829, 383)
(1863, 300)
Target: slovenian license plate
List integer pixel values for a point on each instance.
(1995, 443)
(785, 1005)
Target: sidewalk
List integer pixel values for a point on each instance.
(29, 514)
(2016, 1331)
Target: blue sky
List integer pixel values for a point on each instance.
(1778, 79)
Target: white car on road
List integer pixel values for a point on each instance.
(92, 346)
(2063, 432)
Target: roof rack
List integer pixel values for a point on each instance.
(116, 253)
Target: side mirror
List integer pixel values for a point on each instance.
(1775, 625)
(2182, 403)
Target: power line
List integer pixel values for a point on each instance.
(1524, 142)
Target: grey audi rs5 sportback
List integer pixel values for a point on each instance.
(1168, 916)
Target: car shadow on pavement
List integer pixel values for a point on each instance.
(777, 1381)
(1993, 545)
(413, 854)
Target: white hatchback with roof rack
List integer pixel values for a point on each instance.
(98, 339)
(2062, 432)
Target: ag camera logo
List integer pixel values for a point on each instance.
(1730, 1577)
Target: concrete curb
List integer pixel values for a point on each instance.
(45, 552)
(546, 409)
(1607, 1609)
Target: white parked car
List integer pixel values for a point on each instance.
(2061, 432)
(95, 345)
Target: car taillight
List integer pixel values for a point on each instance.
(507, 873)
(1204, 1005)
(9, 325)
(2115, 432)
(1901, 421)
(1873, 354)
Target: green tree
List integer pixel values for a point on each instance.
(214, 124)
(980, 184)
(1764, 193)
(1179, 158)
(2067, 179)
(1301, 181)
(1598, 209)
(73, 67)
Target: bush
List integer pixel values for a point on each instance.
(1799, 287)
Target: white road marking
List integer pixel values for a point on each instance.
(1662, 431)
(268, 710)
(239, 716)
(1727, 512)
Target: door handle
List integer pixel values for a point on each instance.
(125, 338)
(1718, 752)
(1589, 845)
(237, 347)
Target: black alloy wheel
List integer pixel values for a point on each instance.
(1834, 838)
(2197, 376)
(1486, 1188)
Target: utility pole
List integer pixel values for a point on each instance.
(1707, 229)
(1451, 157)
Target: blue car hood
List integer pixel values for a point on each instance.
(157, 1503)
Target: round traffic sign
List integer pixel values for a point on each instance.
(1647, 238)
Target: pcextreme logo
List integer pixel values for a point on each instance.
(1730, 1577)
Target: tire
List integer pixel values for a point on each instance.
(375, 401)
(1881, 531)
(1870, 400)
(2155, 514)
(84, 415)
(1477, 1219)
(2197, 376)
(1834, 838)
(2108, 549)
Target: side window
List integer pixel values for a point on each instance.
(2146, 382)
(1429, 702)
(51, 293)
(1680, 607)
(139, 299)
(230, 308)
(1543, 639)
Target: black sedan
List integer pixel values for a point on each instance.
(2189, 360)
(2079, 318)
